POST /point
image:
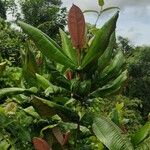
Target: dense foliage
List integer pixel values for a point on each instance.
(47, 15)
(62, 96)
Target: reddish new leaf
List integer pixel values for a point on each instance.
(40, 144)
(69, 74)
(76, 25)
(66, 137)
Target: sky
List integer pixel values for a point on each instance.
(134, 20)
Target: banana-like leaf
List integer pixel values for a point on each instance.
(2, 67)
(101, 41)
(145, 145)
(112, 87)
(114, 68)
(30, 68)
(110, 134)
(104, 60)
(48, 109)
(53, 89)
(49, 50)
(42, 82)
(14, 91)
(67, 47)
(48, 86)
(140, 135)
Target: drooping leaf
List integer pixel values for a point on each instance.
(40, 144)
(141, 134)
(42, 82)
(111, 87)
(76, 25)
(104, 60)
(49, 50)
(114, 68)
(145, 145)
(67, 46)
(110, 134)
(15, 90)
(30, 68)
(100, 41)
(48, 109)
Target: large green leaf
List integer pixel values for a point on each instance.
(67, 47)
(49, 50)
(48, 109)
(110, 135)
(111, 87)
(42, 82)
(15, 90)
(104, 60)
(101, 41)
(145, 145)
(30, 68)
(114, 68)
(140, 135)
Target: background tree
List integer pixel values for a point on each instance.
(2, 9)
(139, 76)
(44, 14)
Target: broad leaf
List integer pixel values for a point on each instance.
(111, 87)
(114, 68)
(40, 144)
(101, 41)
(49, 50)
(110, 134)
(48, 109)
(140, 135)
(30, 68)
(104, 60)
(67, 46)
(15, 91)
(42, 82)
(76, 25)
(145, 145)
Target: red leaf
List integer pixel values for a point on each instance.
(40, 144)
(69, 74)
(76, 25)
(66, 137)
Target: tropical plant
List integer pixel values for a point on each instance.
(80, 71)
(77, 80)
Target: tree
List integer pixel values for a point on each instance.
(2, 9)
(139, 80)
(44, 14)
(125, 45)
(11, 43)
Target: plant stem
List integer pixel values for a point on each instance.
(77, 134)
